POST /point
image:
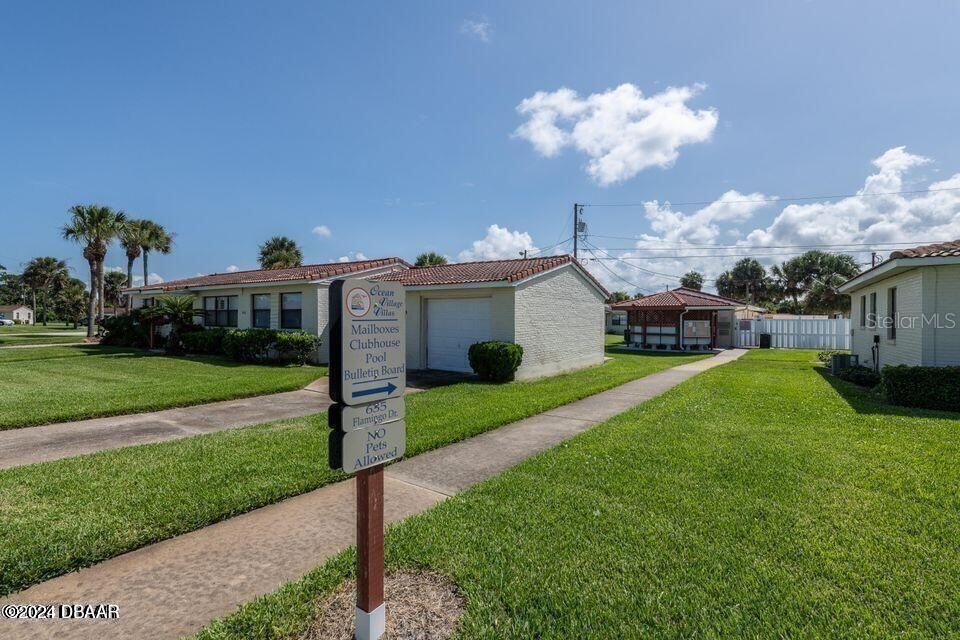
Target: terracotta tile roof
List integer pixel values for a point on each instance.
(939, 250)
(678, 298)
(487, 271)
(304, 272)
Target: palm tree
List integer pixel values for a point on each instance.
(430, 259)
(155, 238)
(280, 252)
(43, 275)
(692, 280)
(94, 226)
(70, 299)
(132, 240)
(114, 282)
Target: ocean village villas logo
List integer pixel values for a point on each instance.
(358, 302)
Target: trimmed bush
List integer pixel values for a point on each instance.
(248, 344)
(125, 331)
(206, 341)
(296, 347)
(861, 375)
(924, 387)
(496, 361)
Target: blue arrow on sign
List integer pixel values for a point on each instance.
(390, 388)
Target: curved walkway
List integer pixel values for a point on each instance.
(176, 587)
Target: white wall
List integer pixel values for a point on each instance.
(907, 348)
(501, 316)
(941, 299)
(559, 323)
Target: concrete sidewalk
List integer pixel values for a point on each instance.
(177, 586)
(28, 445)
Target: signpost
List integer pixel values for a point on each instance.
(368, 377)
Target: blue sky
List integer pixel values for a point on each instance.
(396, 126)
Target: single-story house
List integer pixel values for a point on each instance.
(905, 310)
(294, 299)
(19, 313)
(551, 306)
(614, 320)
(681, 319)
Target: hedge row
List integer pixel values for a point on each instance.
(924, 387)
(253, 344)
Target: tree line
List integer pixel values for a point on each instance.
(47, 286)
(804, 284)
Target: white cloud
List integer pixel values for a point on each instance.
(233, 268)
(153, 278)
(322, 231)
(621, 131)
(500, 243)
(481, 29)
(929, 216)
(352, 256)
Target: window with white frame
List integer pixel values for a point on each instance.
(261, 310)
(220, 311)
(291, 310)
(892, 313)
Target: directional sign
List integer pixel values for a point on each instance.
(367, 341)
(347, 418)
(371, 446)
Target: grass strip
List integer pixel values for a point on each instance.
(53, 384)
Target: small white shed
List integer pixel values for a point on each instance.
(552, 307)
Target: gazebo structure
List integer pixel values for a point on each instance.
(681, 319)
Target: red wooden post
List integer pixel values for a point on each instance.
(370, 618)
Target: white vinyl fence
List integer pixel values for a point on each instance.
(795, 333)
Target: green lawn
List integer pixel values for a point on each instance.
(7, 340)
(56, 384)
(59, 516)
(757, 500)
(53, 327)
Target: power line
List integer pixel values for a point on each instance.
(766, 200)
(666, 247)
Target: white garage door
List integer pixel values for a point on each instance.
(452, 326)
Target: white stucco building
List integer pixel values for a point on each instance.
(907, 310)
(19, 313)
(551, 306)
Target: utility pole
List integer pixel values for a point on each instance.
(576, 229)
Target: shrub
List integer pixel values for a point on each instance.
(125, 331)
(248, 344)
(297, 346)
(496, 361)
(861, 375)
(825, 356)
(205, 341)
(925, 387)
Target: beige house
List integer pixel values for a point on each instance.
(19, 313)
(293, 299)
(907, 310)
(551, 306)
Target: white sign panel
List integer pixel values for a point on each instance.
(370, 446)
(373, 413)
(372, 341)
